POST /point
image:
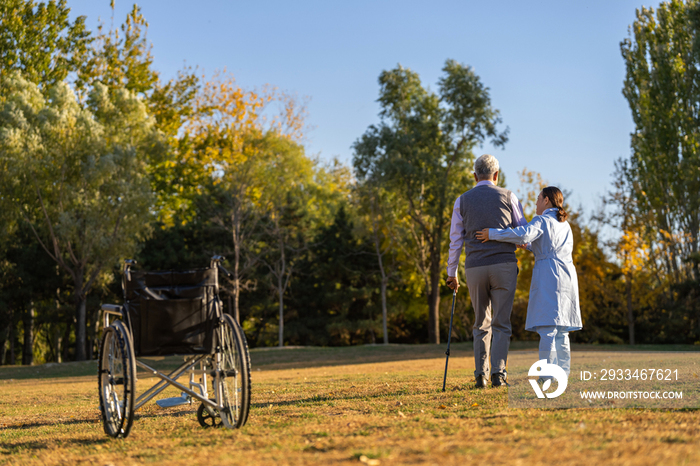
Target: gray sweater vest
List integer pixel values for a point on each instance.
(486, 206)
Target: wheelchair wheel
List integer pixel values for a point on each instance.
(117, 380)
(233, 381)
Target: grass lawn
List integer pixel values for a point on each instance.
(361, 405)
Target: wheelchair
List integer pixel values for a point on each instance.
(165, 314)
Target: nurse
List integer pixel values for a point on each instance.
(553, 309)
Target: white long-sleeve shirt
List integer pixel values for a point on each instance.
(457, 229)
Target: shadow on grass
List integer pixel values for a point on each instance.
(97, 421)
(309, 357)
(383, 395)
(36, 445)
(49, 422)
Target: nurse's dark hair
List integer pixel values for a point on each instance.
(557, 199)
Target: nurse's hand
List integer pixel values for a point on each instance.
(483, 235)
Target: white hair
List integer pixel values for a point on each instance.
(485, 166)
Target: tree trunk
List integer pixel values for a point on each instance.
(80, 325)
(92, 335)
(697, 320)
(28, 346)
(280, 291)
(434, 295)
(4, 333)
(384, 313)
(694, 252)
(630, 309)
(385, 279)
(236, 291)
(236, 265)
(433, 310)
(671, 262)
(56, 343)
(13, 337)
(281, 287)
(66, 339)
(236, 308)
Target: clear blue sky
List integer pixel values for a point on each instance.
(554, 68)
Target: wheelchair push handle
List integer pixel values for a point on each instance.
(217, 260)
(127, 266)
(226, 272)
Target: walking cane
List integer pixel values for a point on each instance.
(449, 338)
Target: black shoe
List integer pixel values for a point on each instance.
(498, 380)
(480, 381)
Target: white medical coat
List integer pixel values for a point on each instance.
(554, 290)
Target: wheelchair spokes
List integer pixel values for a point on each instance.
(116, 381)
(232, 374)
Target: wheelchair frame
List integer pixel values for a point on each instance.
(227, 365)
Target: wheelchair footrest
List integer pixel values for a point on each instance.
(175, 401)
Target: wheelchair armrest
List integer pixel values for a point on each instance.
(111, 310)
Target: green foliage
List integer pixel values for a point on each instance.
(662, 88)
(336, 303)
(30, 292)
(76, 175)
(422, 150)
(655, 195)
(183, 246)
(121, 58)
(601, 288)
(172, 103)
(95, 148)
(38, 39)
(287, 226)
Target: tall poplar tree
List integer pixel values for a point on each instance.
(663, 90)
(39, 40)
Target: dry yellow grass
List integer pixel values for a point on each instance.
(362, 406)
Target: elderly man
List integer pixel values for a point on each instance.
(491, 268)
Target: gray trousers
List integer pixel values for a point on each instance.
(492, 289)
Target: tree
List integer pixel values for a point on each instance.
(29, 293)
(237, 204)
(378, 211)
(637, 249)
(422, 151)
(226, 150)
(334, 300)
(600, 286)
(287, 225)
(121, 58)
(40, 41)
(662, 89)
(76, 175)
